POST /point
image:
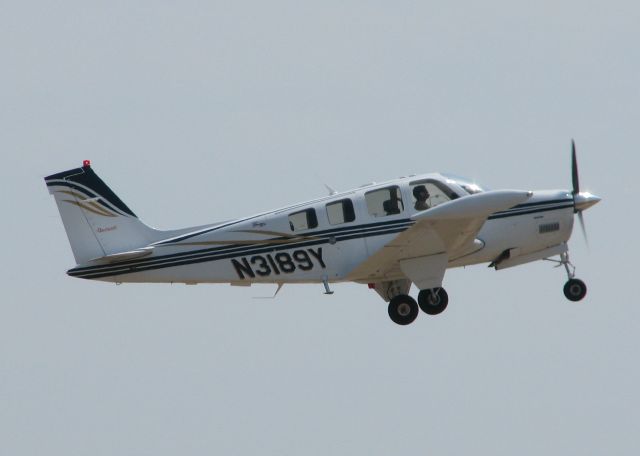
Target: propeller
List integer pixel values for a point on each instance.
(576, 190)
(574, 171)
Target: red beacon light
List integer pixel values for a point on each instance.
(86, 163)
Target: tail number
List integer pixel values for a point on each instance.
(278, 263)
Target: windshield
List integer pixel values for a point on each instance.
(468, 185)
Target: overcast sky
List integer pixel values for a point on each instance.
(195, 112)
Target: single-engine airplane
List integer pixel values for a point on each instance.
(388, 235)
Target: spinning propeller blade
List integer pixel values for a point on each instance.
(576, 190)
(574, 170)
(584, 229)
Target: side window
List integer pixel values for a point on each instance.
(384, 202)
(341, 212)
(430, 193)
(303, 220)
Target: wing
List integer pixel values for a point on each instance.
(440, 234)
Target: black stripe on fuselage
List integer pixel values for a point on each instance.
(537, 204)
(338, 235)
(532, 208)
(219, 254)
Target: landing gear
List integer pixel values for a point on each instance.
(403, 309)
(433, 301)
(575, 289)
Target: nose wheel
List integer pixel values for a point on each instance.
(575, 290)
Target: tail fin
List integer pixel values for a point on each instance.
(97, 222)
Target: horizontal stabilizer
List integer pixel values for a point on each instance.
(122, 256)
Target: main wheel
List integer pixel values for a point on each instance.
(575, 289)
(433, 301)
(403, 309)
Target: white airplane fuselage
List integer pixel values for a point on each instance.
(264, 249)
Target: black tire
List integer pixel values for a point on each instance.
(403, 309)
(575, 290)
(433, 302)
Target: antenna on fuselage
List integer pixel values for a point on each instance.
(280, 285)
(332, 191)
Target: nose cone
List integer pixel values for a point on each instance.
(584, 200)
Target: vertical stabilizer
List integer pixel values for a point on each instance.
(97, 222)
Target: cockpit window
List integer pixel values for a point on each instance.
(384, 202)
(428, 193)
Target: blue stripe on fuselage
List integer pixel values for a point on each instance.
(340, 235)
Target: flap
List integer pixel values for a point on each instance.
(427, 271)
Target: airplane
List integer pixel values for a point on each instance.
(387, 235)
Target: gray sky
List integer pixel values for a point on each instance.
(201, 111)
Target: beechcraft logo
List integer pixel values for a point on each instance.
(108, 228)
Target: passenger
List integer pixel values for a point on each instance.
(391, 207)
(422, 195)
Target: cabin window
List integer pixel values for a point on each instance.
(303, 220)
(341, 212)
(429, 193)
(384, 202)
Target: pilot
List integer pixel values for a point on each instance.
(421, 195)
